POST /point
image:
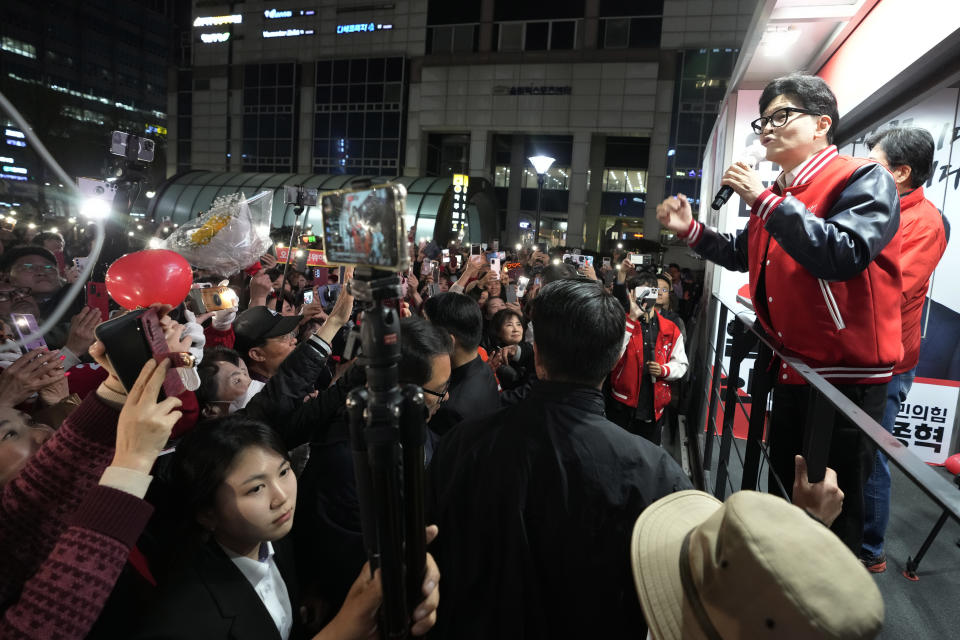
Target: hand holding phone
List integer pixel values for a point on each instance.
(25, 324)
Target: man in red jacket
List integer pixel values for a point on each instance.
(654, 357)
(822, 247)
(907, 152)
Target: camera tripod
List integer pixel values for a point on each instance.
(387, 433)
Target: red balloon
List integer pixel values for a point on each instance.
(953, 464)
(147, 277)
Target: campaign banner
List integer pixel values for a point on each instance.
(924, 423)
(315, 257)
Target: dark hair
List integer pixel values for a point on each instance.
(910, 146)
(209, 391)
(665, 276)
(501, 318)
(554, 272)
(204, 457)
(12, 255)
(420, 343)
(578, 331)
(43, 236)
(474, 293)
(456, 314)
(810, 92)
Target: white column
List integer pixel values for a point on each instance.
(577, 202)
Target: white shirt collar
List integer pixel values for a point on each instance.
(264, 576)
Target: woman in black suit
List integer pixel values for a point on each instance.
(234, 479)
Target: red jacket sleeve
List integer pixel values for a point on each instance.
(920, 251)
(216, 337)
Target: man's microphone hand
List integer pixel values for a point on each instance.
(675, 214)
(744, 180)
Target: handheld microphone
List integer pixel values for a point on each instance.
(752, 155)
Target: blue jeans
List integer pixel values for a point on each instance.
(876, 493)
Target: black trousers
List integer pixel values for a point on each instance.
(851, 453)
(625, 416)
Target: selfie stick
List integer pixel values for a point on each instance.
(388, 432)
(297, 210)
(129, 179)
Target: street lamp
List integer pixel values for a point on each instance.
(541, 164)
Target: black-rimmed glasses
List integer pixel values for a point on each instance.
(779, 118)
(440, 395)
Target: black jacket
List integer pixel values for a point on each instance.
(280, 403)
(210, 599)
(473, 394)
(535, 506)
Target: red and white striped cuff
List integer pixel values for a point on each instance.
(664, 371)
(765, 204)
(693, 233)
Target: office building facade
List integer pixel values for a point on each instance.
(619, 93)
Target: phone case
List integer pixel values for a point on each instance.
(130, 341)
(25, 324)
(99, 299)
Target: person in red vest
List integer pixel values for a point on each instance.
(822, 247)
(907, 152)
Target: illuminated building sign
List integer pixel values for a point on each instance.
(288, 33)
(19, 170)
(214, 37)
(363, 26)
(5, 159)
(461, 182)
(215, 21)
(16, 143)
(10, 176)
(275, 14)
(13, 133)
(157, 129)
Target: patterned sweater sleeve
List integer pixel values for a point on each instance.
(69, 589)
(57, 525)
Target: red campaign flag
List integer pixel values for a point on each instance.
(315, 258)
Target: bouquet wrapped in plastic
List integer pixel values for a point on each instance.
(229, 237)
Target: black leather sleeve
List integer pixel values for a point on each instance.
(843, 243)
(725, 249)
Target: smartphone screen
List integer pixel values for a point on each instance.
(308, 296)
(475, 249)
(25, 325)
(446, 255)
(365, 227)
(606, 262)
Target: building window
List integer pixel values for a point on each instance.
(358, 124)
(616, 33)
(18, 47)
(557, 178)
(269, 112)
(537, 36)
(635, 32)
(625, 180)
(501, 176)
(511, 36)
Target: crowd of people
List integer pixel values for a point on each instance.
(232, 511)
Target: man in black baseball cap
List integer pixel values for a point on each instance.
(263, 340)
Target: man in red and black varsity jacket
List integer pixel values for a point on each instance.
(823, 251)
(654, 357)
